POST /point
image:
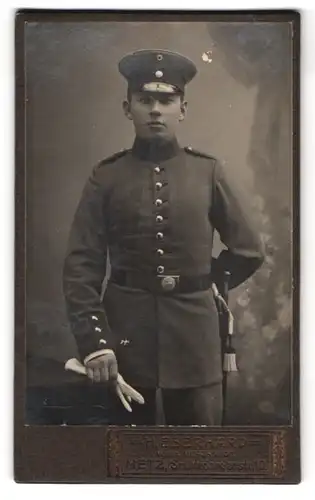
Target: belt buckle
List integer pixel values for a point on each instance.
(168, 282)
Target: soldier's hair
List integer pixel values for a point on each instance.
(130, 92)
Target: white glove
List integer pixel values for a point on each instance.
(124, 391)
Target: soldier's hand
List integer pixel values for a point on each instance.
(103, 368)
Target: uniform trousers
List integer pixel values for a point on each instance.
(193, 406)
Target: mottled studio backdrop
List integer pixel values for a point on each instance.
(239, 110)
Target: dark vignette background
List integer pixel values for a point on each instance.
(240, 109)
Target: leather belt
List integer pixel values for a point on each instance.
(161, 283)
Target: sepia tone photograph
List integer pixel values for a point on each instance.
(157, 188)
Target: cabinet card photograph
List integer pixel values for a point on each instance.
(157, 228)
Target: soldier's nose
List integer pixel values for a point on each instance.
(155, 109)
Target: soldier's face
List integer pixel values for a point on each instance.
(155, 114)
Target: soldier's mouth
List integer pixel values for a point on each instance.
(156, 124)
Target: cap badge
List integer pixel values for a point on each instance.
(159, 73)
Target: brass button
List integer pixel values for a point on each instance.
(158, 202)
(158, 185)
(157, 170)
(159, 218)
(160, 269)
(160, 251)
(159, 236)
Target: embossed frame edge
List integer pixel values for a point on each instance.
(283, 463)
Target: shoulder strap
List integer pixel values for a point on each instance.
(195, 152)
(114, 157)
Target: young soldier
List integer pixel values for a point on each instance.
(153, 209)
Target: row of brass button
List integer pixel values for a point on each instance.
(159, 219)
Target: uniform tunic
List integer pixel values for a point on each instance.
(153, 211)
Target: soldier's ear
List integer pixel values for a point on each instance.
(126, 108)
(183, 110)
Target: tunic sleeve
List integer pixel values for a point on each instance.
(85, 268)
(232, 219)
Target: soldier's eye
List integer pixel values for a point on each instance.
(144, 100)
(165, 100)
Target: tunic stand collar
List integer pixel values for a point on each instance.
(155, 150)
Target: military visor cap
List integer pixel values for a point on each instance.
(157, 71)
